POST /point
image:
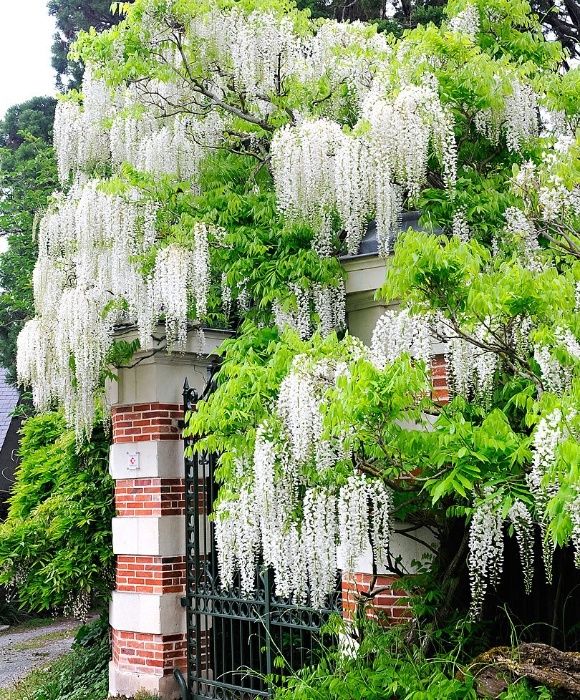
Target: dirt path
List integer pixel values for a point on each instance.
(24, 649)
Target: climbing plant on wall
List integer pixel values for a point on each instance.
(217, 160)
(56, 543)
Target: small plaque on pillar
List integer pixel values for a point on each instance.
(133, 461)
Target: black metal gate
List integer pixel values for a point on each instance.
(236, 643)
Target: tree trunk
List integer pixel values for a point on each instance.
(540, 663)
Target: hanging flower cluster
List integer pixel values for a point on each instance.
(486, 547)
(165, 146)
(460, 226)
(472, 369)
(466, 22)
(523, 524)
(517, 119)
(86, 281)
(544, 479)
(304, 555)
(545, 194)
(485, 559)
(398, 331)
(80, 136)
(555, 376)
(151, 140)
(327, 302)
(180, 275)
(300, 409)
(350, 54)
(318, 167)
(302, 528)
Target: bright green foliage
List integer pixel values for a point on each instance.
(386, 667)
(28, 178)
(55, 545)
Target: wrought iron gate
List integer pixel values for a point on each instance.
(236, 642)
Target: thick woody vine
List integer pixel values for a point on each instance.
(219, 158)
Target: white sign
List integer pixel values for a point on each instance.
(132, 460)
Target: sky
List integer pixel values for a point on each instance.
(25, 39)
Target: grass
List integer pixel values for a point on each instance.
(25, 689)
(80, 674)
(32, 624)
(42, 639)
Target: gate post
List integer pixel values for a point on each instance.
(365, 273)
(148, 624)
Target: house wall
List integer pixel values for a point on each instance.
(8, 463)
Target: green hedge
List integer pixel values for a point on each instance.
(55, 545)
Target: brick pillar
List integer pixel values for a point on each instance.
(146, 460)
(439, 379)
(390, 603)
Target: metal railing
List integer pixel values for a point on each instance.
(237, 643)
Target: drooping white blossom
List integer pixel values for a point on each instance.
(460, 226)
(87, 279)
(81, 138)
(517, 119)
(547, 436)
(353, 513)
(299, 408)
(330, 306)
(319, 543)
(486, 549)
(318, 167)
(380, 516)
(237, 537)
(299, 528)
(398, 331)
(568, 340)
(523, 524)
(555, 376)
(170, 285)
(521, 115)
(466, 22)
(471, 367)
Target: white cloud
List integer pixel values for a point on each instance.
(25, 61)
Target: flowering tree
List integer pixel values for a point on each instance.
(218, 159)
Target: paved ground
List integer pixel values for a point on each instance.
(22, 650)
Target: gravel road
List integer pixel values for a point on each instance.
(22, 650)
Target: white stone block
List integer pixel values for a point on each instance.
(364, 273)
(160, 376)
(147, 613)
(128, 683)
(162, 536)
(157, 459)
